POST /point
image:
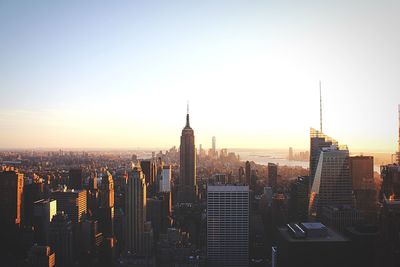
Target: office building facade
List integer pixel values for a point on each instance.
(228, 225)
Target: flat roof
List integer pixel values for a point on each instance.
(332, 236)
(227, 188)
(313, 225)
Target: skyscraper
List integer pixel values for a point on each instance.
(187, 190)
(241, 175)
(71, 202)
(61, 239)
(247, 170)
(272, 176)
(11, 189)
(390, 181)
(149, 170)
(41, 256)
(75, 179)
(290, 153)
(228, 225)
(107, 204)
(318, 140)
(298, 201)
(398, 142)
(332, 184)
(43, 212)
(362, 173)
(135, 212)
(214, 144)
(165, 179)
(389, 238)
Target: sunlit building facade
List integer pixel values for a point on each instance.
(11, 189)
(72, 202)
(43, 212)
(318, 140)
(332, 184)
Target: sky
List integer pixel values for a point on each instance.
(118, 74)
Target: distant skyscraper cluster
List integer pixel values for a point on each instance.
(183, 208)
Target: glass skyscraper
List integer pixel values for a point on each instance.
(332, 185)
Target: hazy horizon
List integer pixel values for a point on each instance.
(116, 75)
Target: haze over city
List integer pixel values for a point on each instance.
(219, 133)
(98, 74)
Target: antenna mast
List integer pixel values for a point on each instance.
(398, 146)
(320, 107)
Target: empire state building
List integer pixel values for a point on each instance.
(187, 189)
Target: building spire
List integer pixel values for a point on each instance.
(398, 145)
(187, 115)
(320, 107)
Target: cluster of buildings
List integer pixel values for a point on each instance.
(192, 208)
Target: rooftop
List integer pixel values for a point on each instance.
(313, 234)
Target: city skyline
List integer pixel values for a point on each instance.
(79, 75)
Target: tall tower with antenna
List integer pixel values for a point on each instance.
(187, 188)
(398, 145)
(320, 107)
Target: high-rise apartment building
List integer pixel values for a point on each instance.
(332, 184)
(228, 225)
(187, 188)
